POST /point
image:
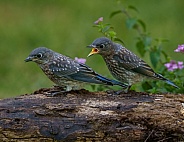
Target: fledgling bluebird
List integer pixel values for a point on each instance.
(124, 65)
(65, 71)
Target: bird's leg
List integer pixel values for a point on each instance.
(64, 91)
(55, 93)
(59, 87)
(127, 89)
(119, 91)
(123, 91)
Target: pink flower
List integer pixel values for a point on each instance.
(80, 60)
(98, 21)
(174, 65)
(180, 48)
(180, 65)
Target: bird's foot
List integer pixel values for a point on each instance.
(59, 87)
(54, 93)
(112, 92)
(109, 92)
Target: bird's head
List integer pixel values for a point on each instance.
(101, 46)
(39, 55)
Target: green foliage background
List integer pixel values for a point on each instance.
(66, 27)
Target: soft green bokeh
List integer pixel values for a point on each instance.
(66, 27)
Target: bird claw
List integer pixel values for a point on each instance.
(112, 92)
(55, 93)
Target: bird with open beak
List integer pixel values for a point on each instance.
(123, 64)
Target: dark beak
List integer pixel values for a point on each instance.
(28, 59)
(91, 46)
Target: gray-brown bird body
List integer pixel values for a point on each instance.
(123, 64)
(65, 71)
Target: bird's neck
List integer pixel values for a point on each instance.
(107, 58)
(106, 54)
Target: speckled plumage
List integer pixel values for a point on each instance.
(123, 64)
(65, 71)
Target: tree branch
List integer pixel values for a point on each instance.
(92, 116)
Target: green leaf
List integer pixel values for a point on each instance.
(118, 39)
(96, 25)
(106, 24)
(93, 87)
(131, 22)
(115, 13)
(147, 41)
(142, 24)
(146, 86)
(133, 8)
(153, 90)
(161, 40)
(165, 55)
(100, 88)
(155, 57)
(112, 34)
(141, 48)
(105, 29)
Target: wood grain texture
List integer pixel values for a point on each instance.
(92, 116)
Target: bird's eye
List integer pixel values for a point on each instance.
(102, 45)
(39, 55)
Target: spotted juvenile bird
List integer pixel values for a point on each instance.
(124, 65)
(65, 71)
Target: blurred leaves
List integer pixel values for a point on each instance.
(142, 24)
(131, 23)
(133, 8)
(107, 30)
(118, 39)
(140, 48)
(155, 56)
(115, 13)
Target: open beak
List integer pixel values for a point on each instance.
(93, 51)
(28, 59)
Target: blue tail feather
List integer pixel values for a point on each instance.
(171, 83)
(166, 80)
(113, 82)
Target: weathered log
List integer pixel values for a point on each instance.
(92, 116)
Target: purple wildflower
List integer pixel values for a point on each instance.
(180, 48)
(80, 60)
(98, 21)
(180, 65)
(174, 65)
